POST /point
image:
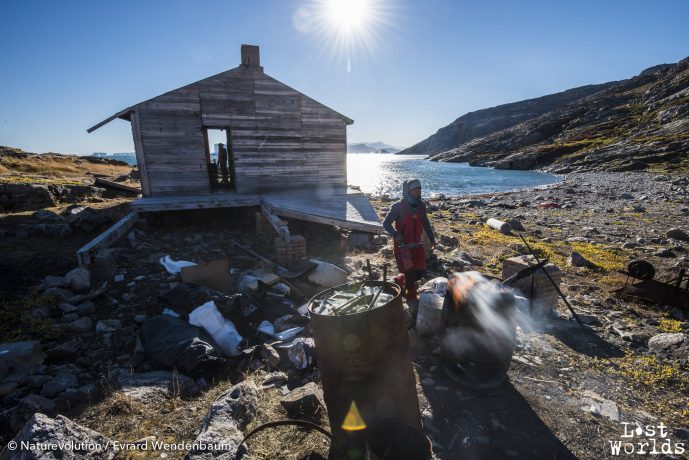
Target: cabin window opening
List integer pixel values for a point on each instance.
(220, 158)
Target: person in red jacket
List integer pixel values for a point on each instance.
(410, 221)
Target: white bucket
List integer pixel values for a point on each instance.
(429, 317)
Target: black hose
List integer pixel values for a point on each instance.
(287, 422)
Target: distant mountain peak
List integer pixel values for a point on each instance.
(372, 147)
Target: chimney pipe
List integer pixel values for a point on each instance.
(251, 58)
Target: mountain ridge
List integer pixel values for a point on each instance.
(633, 124)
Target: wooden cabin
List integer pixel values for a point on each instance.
(287, 151)
(278, 137)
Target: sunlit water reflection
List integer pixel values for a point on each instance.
(380, 174)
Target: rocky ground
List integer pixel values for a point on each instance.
(569, 393)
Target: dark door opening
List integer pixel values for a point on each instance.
(219, 158)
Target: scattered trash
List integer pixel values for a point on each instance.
(184, 298)
(302, 352)
(249, 309)
(172, 343)
(352, 298)
(327, 274)
(215, 275)
(279, 289)
(247, 283)
(502, 227)
(174, 267)
(303, 309)
(221, 329)
(267, 328)
(170, 312)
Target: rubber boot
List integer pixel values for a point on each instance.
(411, 293)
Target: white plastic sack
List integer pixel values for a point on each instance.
(327, 274)
(266, 327)
(174, 267)
(437, 285)
(222, 330)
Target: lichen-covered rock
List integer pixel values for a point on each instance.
(225, 419)
(79, 442)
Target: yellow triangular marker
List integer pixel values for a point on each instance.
(353, 420)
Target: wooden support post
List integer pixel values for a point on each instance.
(105, 239)
(275, 221)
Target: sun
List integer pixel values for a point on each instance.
(348, 14)
(345, 29)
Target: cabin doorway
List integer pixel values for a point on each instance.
(220, 158)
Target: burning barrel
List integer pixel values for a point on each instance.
(480, 329)
(365, 364)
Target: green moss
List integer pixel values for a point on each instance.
(607, 259)
(17, 326)
(670, 325)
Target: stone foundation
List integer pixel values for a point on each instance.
(263, 227)
(290, 251)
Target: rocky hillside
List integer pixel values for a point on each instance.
(635, 124)
(488, 121)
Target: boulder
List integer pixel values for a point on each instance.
(51, 281)
(81, 325)
(577, 260)
(274, 379)
(19, 359)
(66, 351)
(79, 279)
(153, 386)
(227, 416)
(20, 197)
(108, 325)
(49, 217)
(86, 219)
(62, 381)
(83, 442)
(663, 343)
(27, 407)
(59, 293)
(464, 258)
(303, 401)
(516, 224)
(677, 234)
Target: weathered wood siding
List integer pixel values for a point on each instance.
(173, 145)
(281, 139)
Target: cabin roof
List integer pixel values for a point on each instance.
(125, 114)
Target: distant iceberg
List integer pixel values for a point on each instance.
(127, 157)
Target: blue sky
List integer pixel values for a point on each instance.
(70, 64)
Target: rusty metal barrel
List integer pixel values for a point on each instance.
(365, 358)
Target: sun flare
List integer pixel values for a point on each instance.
(348, 14)
(346, 29)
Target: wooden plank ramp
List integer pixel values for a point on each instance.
(340, 206)
(108, 237)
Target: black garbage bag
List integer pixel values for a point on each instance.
(185, 297)
(172, 343)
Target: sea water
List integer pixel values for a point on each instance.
(381, 174)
